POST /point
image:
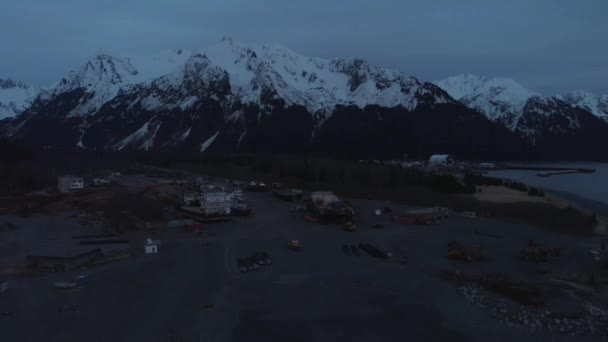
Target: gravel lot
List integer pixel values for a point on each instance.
(193, 291)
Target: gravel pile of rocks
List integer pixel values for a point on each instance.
(593, 320)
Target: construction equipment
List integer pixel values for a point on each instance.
(534, 252)
(373, 251)
(286, 194)
(457, 251)
(426, 215)
(349, 226)
(327, 207)
(294, 245)
(469, 214)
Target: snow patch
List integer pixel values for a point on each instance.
(184, 135)
(149, 143)
(188, 102)
(208, 142)
(134, 137)
(152, 103)
(241, 138)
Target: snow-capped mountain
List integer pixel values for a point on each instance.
(500, 99)
(597, 105)
(504, 100)
(15, 97)
(226, 96)
(549, 122)
(240, 97)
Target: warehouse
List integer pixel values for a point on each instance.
(440, 160)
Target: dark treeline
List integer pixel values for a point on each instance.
(31, 170)
(24, 169)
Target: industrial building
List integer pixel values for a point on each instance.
(216, 203)
(69, 183)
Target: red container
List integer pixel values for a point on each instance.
(309, 218)
(404, 220)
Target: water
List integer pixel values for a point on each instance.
(588, 189)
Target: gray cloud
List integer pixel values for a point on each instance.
(548, 45)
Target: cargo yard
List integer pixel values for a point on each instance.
(240, 260)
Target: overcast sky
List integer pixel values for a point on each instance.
(549, 46)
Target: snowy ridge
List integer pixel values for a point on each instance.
(597, 105)
(500, 99)
(505, 101)
(104, 76)
(228, 77)
(15, 97)
(251, 74)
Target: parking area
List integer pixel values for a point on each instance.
(193, 290)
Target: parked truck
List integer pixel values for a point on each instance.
(422, 216)
(286, 194)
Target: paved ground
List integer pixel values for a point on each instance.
(193, 289)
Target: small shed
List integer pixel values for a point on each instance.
(440, 160)
(69, 183)
(151, 246)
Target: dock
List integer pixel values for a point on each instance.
(196, 214)
(557, 173)
(550, 171)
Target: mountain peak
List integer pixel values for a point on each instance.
(466, 84)
(10, 83)
(597, 105)
(500, 99)
(15, 97)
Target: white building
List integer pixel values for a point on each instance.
(100, 181)
(216, 203)
(323, 198)
(151, 246)
(69, 183)
(487, 166)
(190, 198)
(440, 160)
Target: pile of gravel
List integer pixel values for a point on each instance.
(592, 321)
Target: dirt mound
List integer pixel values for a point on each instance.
(122, 208)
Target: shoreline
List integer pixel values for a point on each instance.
(583, 203)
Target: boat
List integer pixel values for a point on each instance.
(241, 208)
(288, 194)
(80, 281)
